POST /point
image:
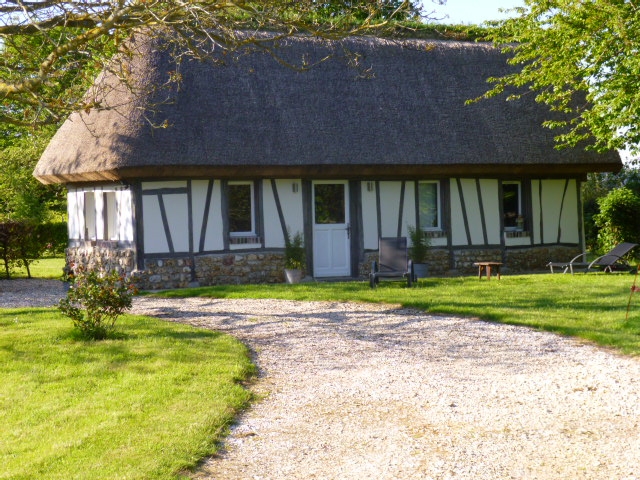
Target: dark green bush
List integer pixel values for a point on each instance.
(95, 301)
(619, 218)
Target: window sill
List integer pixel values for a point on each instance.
(245, 240)
(435, 233)
(516, 234)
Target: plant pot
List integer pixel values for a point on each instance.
(292, 275)
(420, 270)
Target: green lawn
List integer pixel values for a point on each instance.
(146, 405)
(153, 401)
(591, 307)
(48, 267)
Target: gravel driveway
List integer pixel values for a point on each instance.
(354, 391)
(358, 391)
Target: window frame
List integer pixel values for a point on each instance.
(439, 227)
(520, 212)
(252, 193)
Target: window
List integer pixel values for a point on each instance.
(90, 216)
(429, 205)
(241, 209)
(512, 205)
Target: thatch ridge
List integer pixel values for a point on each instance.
(402, 108)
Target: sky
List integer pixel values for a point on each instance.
(471, 11)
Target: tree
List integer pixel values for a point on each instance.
(567, 50)
(598, 186)
(52, 50)
(22, 197)
(618, 218)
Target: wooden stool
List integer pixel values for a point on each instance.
(487, 266)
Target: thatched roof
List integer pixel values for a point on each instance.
(401, 112)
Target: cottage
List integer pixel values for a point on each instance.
(343, 153)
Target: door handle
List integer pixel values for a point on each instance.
(348, 229)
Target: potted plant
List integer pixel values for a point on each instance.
(295, 256)
(418, 251)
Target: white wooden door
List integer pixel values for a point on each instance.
(331, 229)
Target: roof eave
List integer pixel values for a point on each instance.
(365, 172)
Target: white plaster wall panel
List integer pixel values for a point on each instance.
(199, 200)
(272, 233)
(458, 233)
(491, 204)
(389, 207)
(177, 209)
(535, 214)
(369, 215)
(111, 215)
(472, 204)
(155, 240)
(75, 212)
(100, 214)
(569, 221)
(409, 208)
(213, 238)
(125, 220)
(291, 203)
(90, 214)
(551, 202)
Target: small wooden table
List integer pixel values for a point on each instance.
(487, 266)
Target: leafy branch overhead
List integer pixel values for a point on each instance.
(580, 58)
(52, 50)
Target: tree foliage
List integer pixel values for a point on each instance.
(569, 50)
(52, 50)
(619, 218)
(22, 197)
(595, 189)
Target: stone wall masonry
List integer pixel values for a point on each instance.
(102, 257)
(215, 269)
(268, 266)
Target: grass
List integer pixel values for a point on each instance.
(591, 307)
(47, 267)
(145, 405)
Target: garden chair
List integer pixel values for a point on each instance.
(393, 261)
(608, 262)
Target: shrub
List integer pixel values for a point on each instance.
(619, 218)
(54, 236)
(95, 301)
(294, 252)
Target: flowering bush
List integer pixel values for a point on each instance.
(95, 301)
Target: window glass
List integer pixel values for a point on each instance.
(428, 204)
(240, 208)
(511, 204)
(329, 203)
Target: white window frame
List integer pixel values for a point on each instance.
(519, 184)
(253, 210)
(437, 228)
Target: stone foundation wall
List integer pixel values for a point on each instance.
(215, 269)
(102, 257)
(268, 267)
(519, 260)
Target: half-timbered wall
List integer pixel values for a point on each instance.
(184, 226)
(102, 213)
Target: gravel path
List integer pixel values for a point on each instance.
(353, 391)
(373, 392)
